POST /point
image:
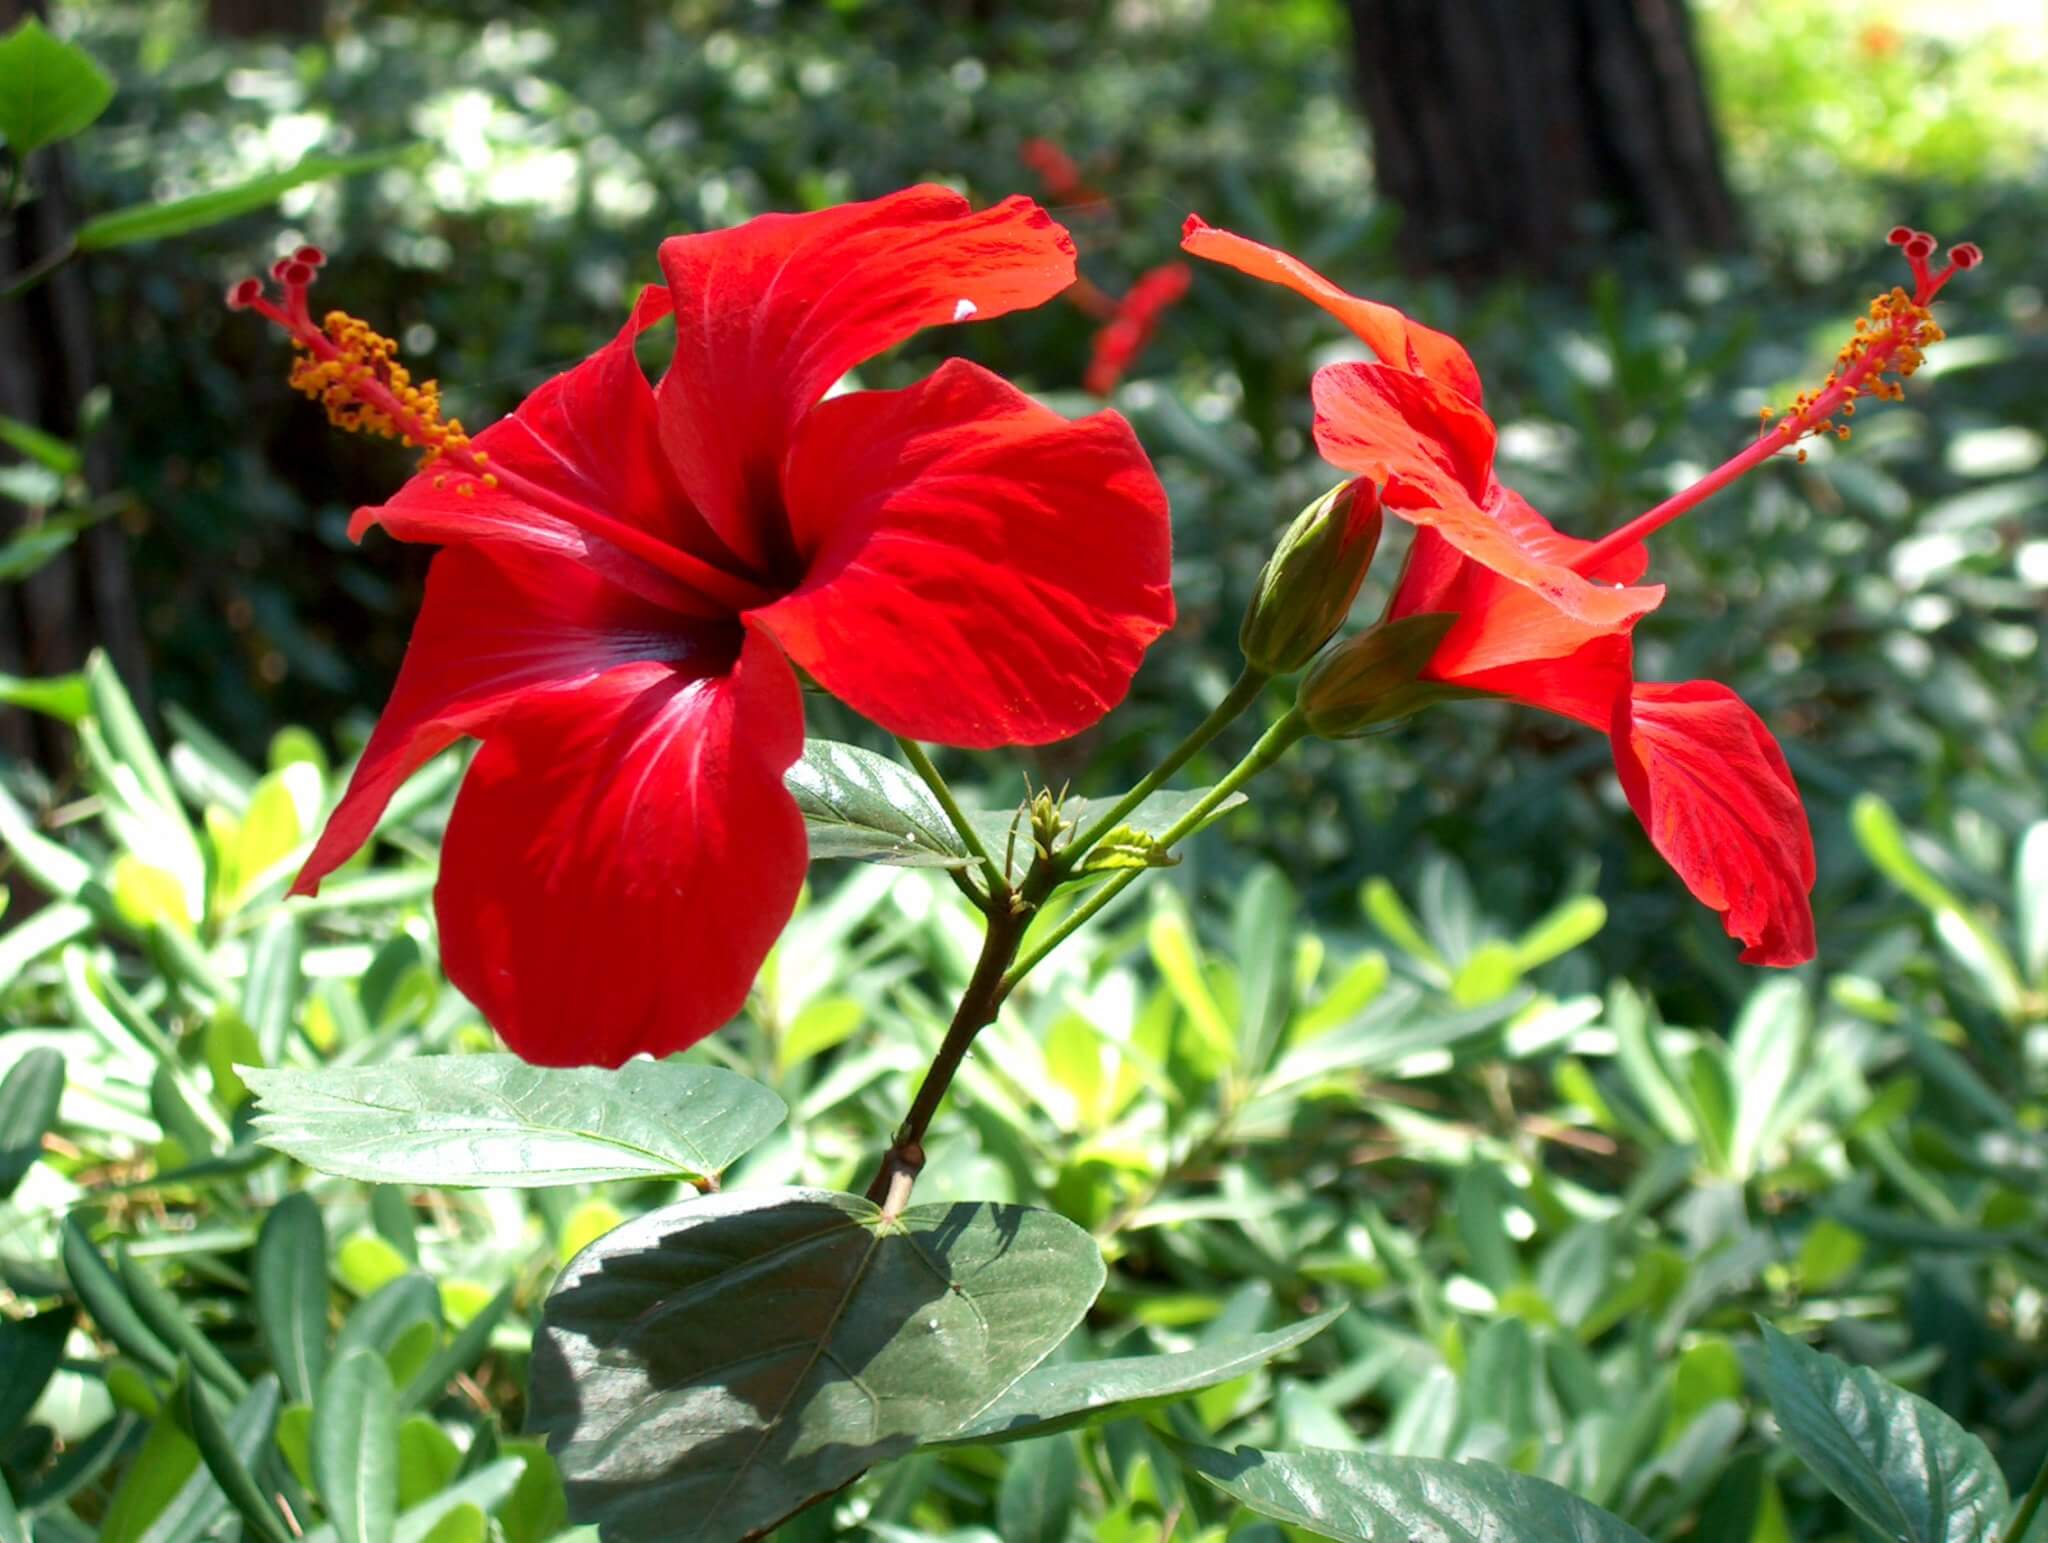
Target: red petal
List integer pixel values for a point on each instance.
(1712, 788)
(1432, 451)
(1582, 685)
(1401, 343)
(770, 313)
(981, 571)
(498, 624)
(588, 441)
(622, 857)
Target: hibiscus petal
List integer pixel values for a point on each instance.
(980, 570)
(1712, 788)
(1432, 452)
(622, 857)
(1582, 685)
(770, 313)
(1401, 343)
(587, 443)
(498, 624)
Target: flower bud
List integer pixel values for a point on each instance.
(1374, 678)
(1307, 586)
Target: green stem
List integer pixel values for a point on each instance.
(1239, 697)
(998, 881)
(21, 283)
(2024, 1516)
(1273, 744)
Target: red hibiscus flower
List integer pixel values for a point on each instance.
(1544, 619)
(628, 571)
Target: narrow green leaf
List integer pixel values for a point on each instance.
(1894, 1459)
(1364, 1497)
(1055, 1398)
(270, 991)
(31, 1349)
(153, 222)
(108, 1304)
(1265, 929)
(710, 1368)
(1035, 1502)
(49, 90)
(12, 1528)
(492, 1120)
(62, 697)
(29, 1095)
(464, 1349)
(161, 1468)
(174, 1326)
(60, 456)
(291, 1293)
(860, 805)
(355, 1448)
(129, 741)
(227, 1450)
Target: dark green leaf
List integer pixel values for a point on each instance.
(1362, 1497)
(12, 1529)
(1052, 1398)
(203, 1500)
(861, 805)
(355, 1447)
(711, 1367)
(29, 1095)
(291, 1293)
(1894, 1459)
(30, 1351)
(389, 1313)
(231, 1450)
(174, 1325)
(49, 90)
(108, 1303)
(1035, 1503)
(492, 1120)
(152, 222)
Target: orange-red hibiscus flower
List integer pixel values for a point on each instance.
(1544, 619)
(628, 571)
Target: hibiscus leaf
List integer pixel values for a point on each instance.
(1894, 1459)
(492, 1120)
(861, 805)
(710, 1368)
(1367, 1497)
(1054, 1398)
(153, 222)
(49, 90)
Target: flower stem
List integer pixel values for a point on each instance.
(1271, 746)
(977, 1010)
(1239, 697)
(970, 838)
(2023, 1518)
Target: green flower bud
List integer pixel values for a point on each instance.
(1372, 679)
(1307, 586)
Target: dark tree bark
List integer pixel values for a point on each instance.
(1507, 133)
(85, 597)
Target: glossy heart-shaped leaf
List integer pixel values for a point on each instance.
(492, 1120)
(1894, 1459)
(712, 1367)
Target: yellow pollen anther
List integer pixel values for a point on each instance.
(365, 357)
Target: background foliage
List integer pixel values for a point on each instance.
(1431, 1034)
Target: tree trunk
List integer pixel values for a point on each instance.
(85, 596)
(1508, 133)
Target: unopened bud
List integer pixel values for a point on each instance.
(1374, 678)
(1307, 586)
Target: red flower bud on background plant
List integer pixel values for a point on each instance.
(1544, 619)
(628, 571)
